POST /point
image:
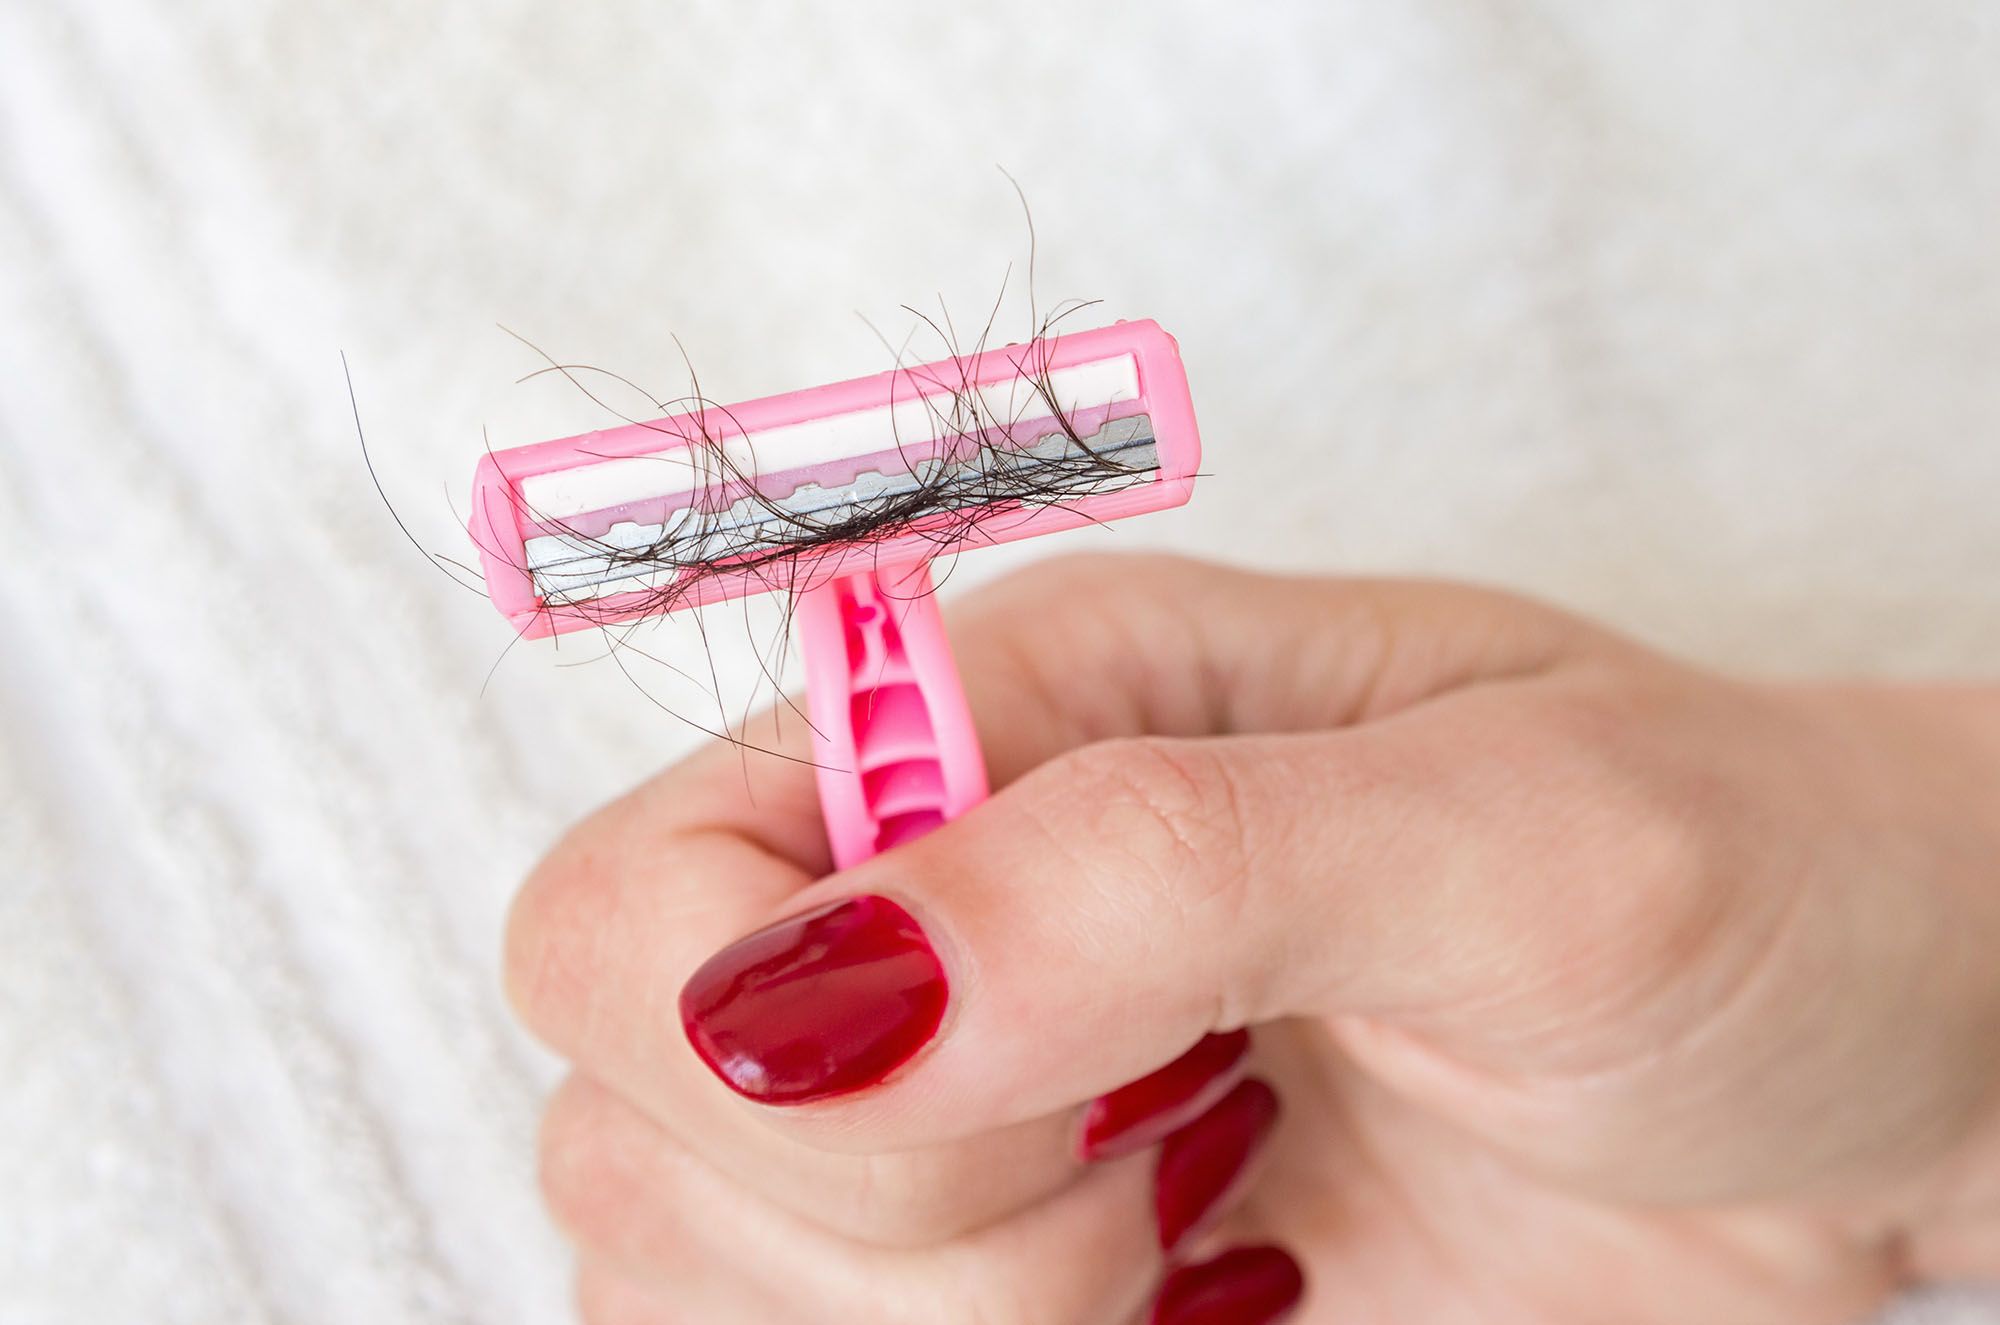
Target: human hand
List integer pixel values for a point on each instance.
(1594, 987)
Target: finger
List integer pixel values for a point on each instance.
(606, 932)
(637, 895)
(1115, 905)
(1205, 1168)
(1200, 1173)
(1084, 649)
(1246, 1285)
(1141, 1113)
(667, 1234)
(606, 1295)
(612, 942)
(904, 1200)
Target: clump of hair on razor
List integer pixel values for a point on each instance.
(968, 468)
(972, 462)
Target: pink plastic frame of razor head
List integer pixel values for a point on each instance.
(501, 523)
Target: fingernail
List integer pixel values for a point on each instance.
(1201, 1165)
(822, 1004)
(1242, 1286)
(1143, 1113)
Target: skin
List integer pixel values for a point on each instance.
(1596, 986)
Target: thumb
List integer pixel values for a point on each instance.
(1084, 927)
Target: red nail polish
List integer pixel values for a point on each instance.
(1242, 1286)
(1201, 1165)
(818, 1005)
(1143, 1113)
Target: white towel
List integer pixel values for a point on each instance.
(1685, 315)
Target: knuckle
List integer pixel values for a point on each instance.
(1006, 1301)
(1635, 848)
(1168, 806)
(901, 1202)
(554, 928)
(1603, 741)
(604, 1297)
(1096, 599)
(972, 1288)
(1087, 574)
(584, 1181)
(1162, 857)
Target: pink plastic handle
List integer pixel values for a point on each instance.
(893, 738)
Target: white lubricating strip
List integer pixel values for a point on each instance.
(564, 493)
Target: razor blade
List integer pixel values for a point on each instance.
(877, 474)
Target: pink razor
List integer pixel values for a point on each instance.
(622, 524)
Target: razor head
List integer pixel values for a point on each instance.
(873, 474)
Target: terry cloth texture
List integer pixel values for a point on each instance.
(1686, 316)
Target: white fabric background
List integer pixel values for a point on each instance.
(1686, 315)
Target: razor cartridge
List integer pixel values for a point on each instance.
(842, 495)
